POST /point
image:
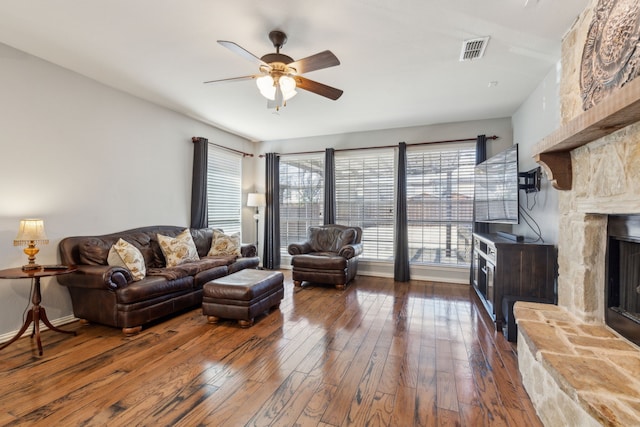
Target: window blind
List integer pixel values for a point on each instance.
(440, 203)
(224, 189)
(301, 196)
(365, 187)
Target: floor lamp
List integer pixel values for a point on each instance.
(256, 200)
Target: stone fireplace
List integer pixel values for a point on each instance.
(606, 174)
(576, 369)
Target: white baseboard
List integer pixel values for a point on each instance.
(57, 322)
(425, 272)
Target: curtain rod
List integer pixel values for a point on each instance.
(394, 146)
(197, 138)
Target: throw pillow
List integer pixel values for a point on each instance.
(124, 254)
(323, 238)
(347, 237)
(178, 250)
(223, 244)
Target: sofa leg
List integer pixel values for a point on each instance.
(297, 282)
(213, 319)
(84, 322)
(341, 287)
(131, 331)
(245, 323)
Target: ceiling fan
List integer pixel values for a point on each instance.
(280, 75)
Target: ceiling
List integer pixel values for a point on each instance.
(399, 58)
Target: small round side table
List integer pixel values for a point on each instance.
(37, 312)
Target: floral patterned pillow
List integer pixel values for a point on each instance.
(223, 244)
(178, 250)
(124, 254)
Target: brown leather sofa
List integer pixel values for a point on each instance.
(108, 295)
(329, 255)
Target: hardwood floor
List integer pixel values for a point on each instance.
(376, 354)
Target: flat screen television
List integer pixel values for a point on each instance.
(496, 188)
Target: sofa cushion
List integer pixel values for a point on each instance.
(202, 239)
(178, 250)
(322, 238)
(153, 287)
(95, 250)
(347, 237)
(124, 254)
(190, 268)
(319, 260)
(223, 244)
(330, 239)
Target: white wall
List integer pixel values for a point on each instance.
(448, 131)
(87, 159)
(536, 118)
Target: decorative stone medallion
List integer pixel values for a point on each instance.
(611, 54)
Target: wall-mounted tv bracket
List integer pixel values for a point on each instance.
(529, 181)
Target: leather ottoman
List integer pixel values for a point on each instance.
(242, 295)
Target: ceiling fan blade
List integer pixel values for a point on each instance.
(318, 88)
(318, 61)
(231, 79)
(236, 48)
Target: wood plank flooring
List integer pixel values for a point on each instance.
(376, 354)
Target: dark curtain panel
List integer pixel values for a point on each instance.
(481, 156)
(401, 260)
(478, 227)
(199, 183)
(271, 254)
(329, 186)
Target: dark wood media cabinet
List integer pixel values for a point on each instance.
(516, 270)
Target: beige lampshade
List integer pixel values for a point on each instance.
(256, 200)
(30, 230)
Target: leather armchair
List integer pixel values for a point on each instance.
(329, 255)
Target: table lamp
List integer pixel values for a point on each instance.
(31, 231)
(256, 200)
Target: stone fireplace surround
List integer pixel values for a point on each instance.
(578, 371)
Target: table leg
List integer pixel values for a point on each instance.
(35, 315)
(45, 320)
(27, 322)
(36, 327)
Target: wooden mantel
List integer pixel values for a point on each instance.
(620, 109)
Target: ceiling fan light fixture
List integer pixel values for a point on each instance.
(288, 87)
(266, 87)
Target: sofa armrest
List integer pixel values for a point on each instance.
(350, 251)
(299, 248)
(248, 250)
(97, 277)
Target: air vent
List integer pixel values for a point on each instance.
(473, 49)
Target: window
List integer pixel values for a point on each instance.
(439, 200)
(301, 197)
(224, 189)
(440, 203)
(365, 187)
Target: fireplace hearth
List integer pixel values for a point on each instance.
(622, 287)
